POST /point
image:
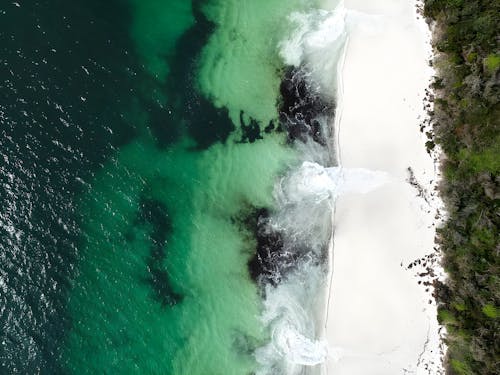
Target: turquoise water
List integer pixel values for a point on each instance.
(143, 142)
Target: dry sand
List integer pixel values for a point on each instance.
(380, 319)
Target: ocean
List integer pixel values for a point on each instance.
(159, 206)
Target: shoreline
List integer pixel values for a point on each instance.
(380, 317)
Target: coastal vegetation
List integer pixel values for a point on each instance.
(465, 120)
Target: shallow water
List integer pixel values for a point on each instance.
(141, 144)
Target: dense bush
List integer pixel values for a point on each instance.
(465, 123)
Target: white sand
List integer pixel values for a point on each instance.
(379, 318)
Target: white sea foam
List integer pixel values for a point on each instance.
(313, 181)
(317, 42)
(289, 312)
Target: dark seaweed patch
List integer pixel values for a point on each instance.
(164, 127)
(244, 344)
(301, 107)
(207, 124)
(204, 122)
(270, 260)
(154, 213)
(251, 132)
(269, 128)
(273, 256)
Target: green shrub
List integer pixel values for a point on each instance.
(446, 317)
(460, 367)
(491, 311)
(492, 63)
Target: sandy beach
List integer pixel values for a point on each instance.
(381, 314)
